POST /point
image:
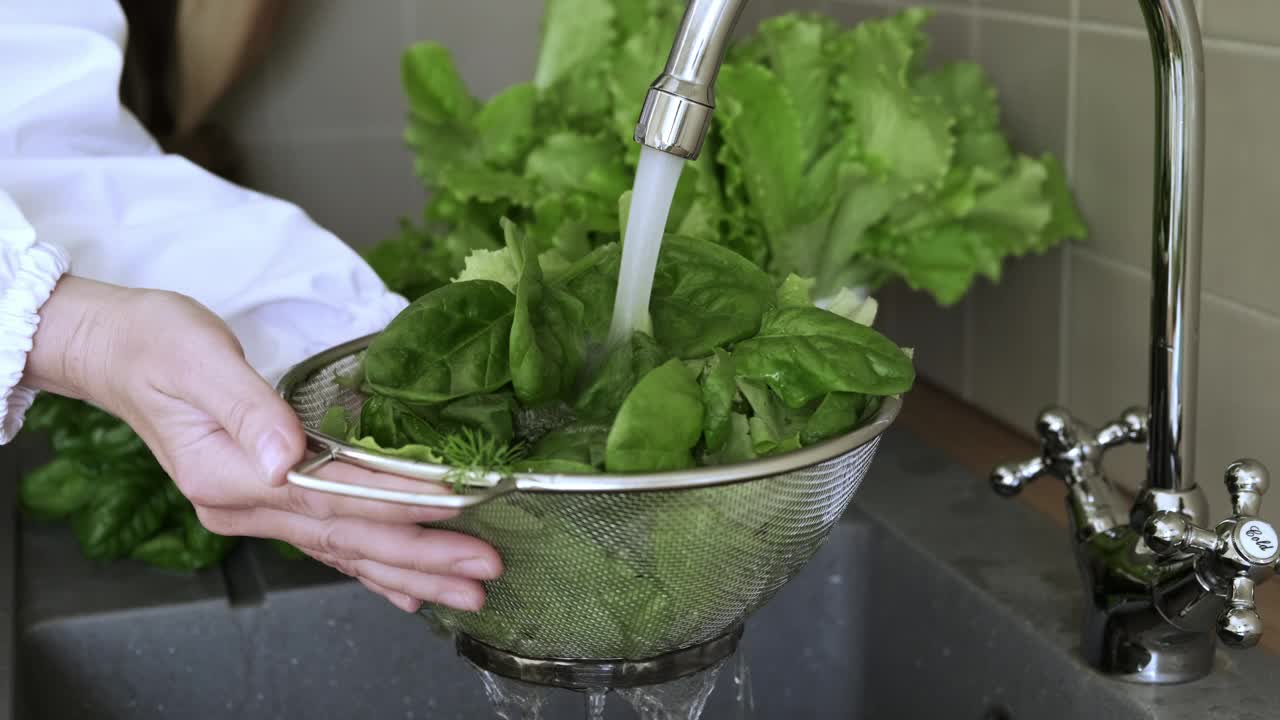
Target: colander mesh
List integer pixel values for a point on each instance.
(631, 575)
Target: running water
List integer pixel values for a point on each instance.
(595, 704)
(742, 686)
(655, 185)
(512, 699)
(682, 699)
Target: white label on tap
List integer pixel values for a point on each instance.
(1257, 541)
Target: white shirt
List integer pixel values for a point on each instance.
(84, 188)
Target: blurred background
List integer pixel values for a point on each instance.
(316, 116)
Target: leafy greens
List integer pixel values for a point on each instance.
(835, 154)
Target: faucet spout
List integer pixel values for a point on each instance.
(1175, 259)
(677, 110)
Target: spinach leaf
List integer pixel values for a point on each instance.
(547, 346)
(451, 342)
(805, 353)
(125, 513)
(335, 422)
(737, 447)
(186, 547)
(705, 296)
(392, 424)
(622, 369)
(582, 444)
(56, 489)
(658, 424)
(718, 393)
(593, 280)
(491, 414)
(837, 414)
(773, 428)
(555, 466)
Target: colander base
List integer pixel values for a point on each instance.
(590, 674)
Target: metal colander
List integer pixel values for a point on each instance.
(613, 566)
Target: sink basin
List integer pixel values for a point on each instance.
(931, 599)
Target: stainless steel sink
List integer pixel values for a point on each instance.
(919, 606)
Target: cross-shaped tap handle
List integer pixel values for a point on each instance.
(1070, 449)
(1239, 552)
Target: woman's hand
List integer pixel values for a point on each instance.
(173, 371)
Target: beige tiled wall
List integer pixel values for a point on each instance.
(323, 122)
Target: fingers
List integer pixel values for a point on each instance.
(417, 549)
(407, 589)
(323, 506)
(399, 599)
(215, 474)
(244, 404)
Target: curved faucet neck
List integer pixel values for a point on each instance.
(1175, 255)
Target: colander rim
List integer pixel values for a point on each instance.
(704, 476)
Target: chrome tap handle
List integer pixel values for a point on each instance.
(1069, 449)
(1240, 625)
(1009, 479)
(1129, 429)
(1241, 551)
(1073, 451)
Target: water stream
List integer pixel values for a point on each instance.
(746, 702)
(682, 699)
(595, 704)
(512, 699)
(655, 185)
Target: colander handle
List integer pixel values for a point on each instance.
(301, 476)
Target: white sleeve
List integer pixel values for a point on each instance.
(80, 179)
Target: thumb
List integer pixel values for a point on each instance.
(260, 422)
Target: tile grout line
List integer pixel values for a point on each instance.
(1113, 264)
(1115, 29)
(1213, 43)
(1065, 279)
(1251, 311)
(1022, 17)
(1119, 266)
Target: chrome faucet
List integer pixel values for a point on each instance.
(677, 110)
(1158, 582)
